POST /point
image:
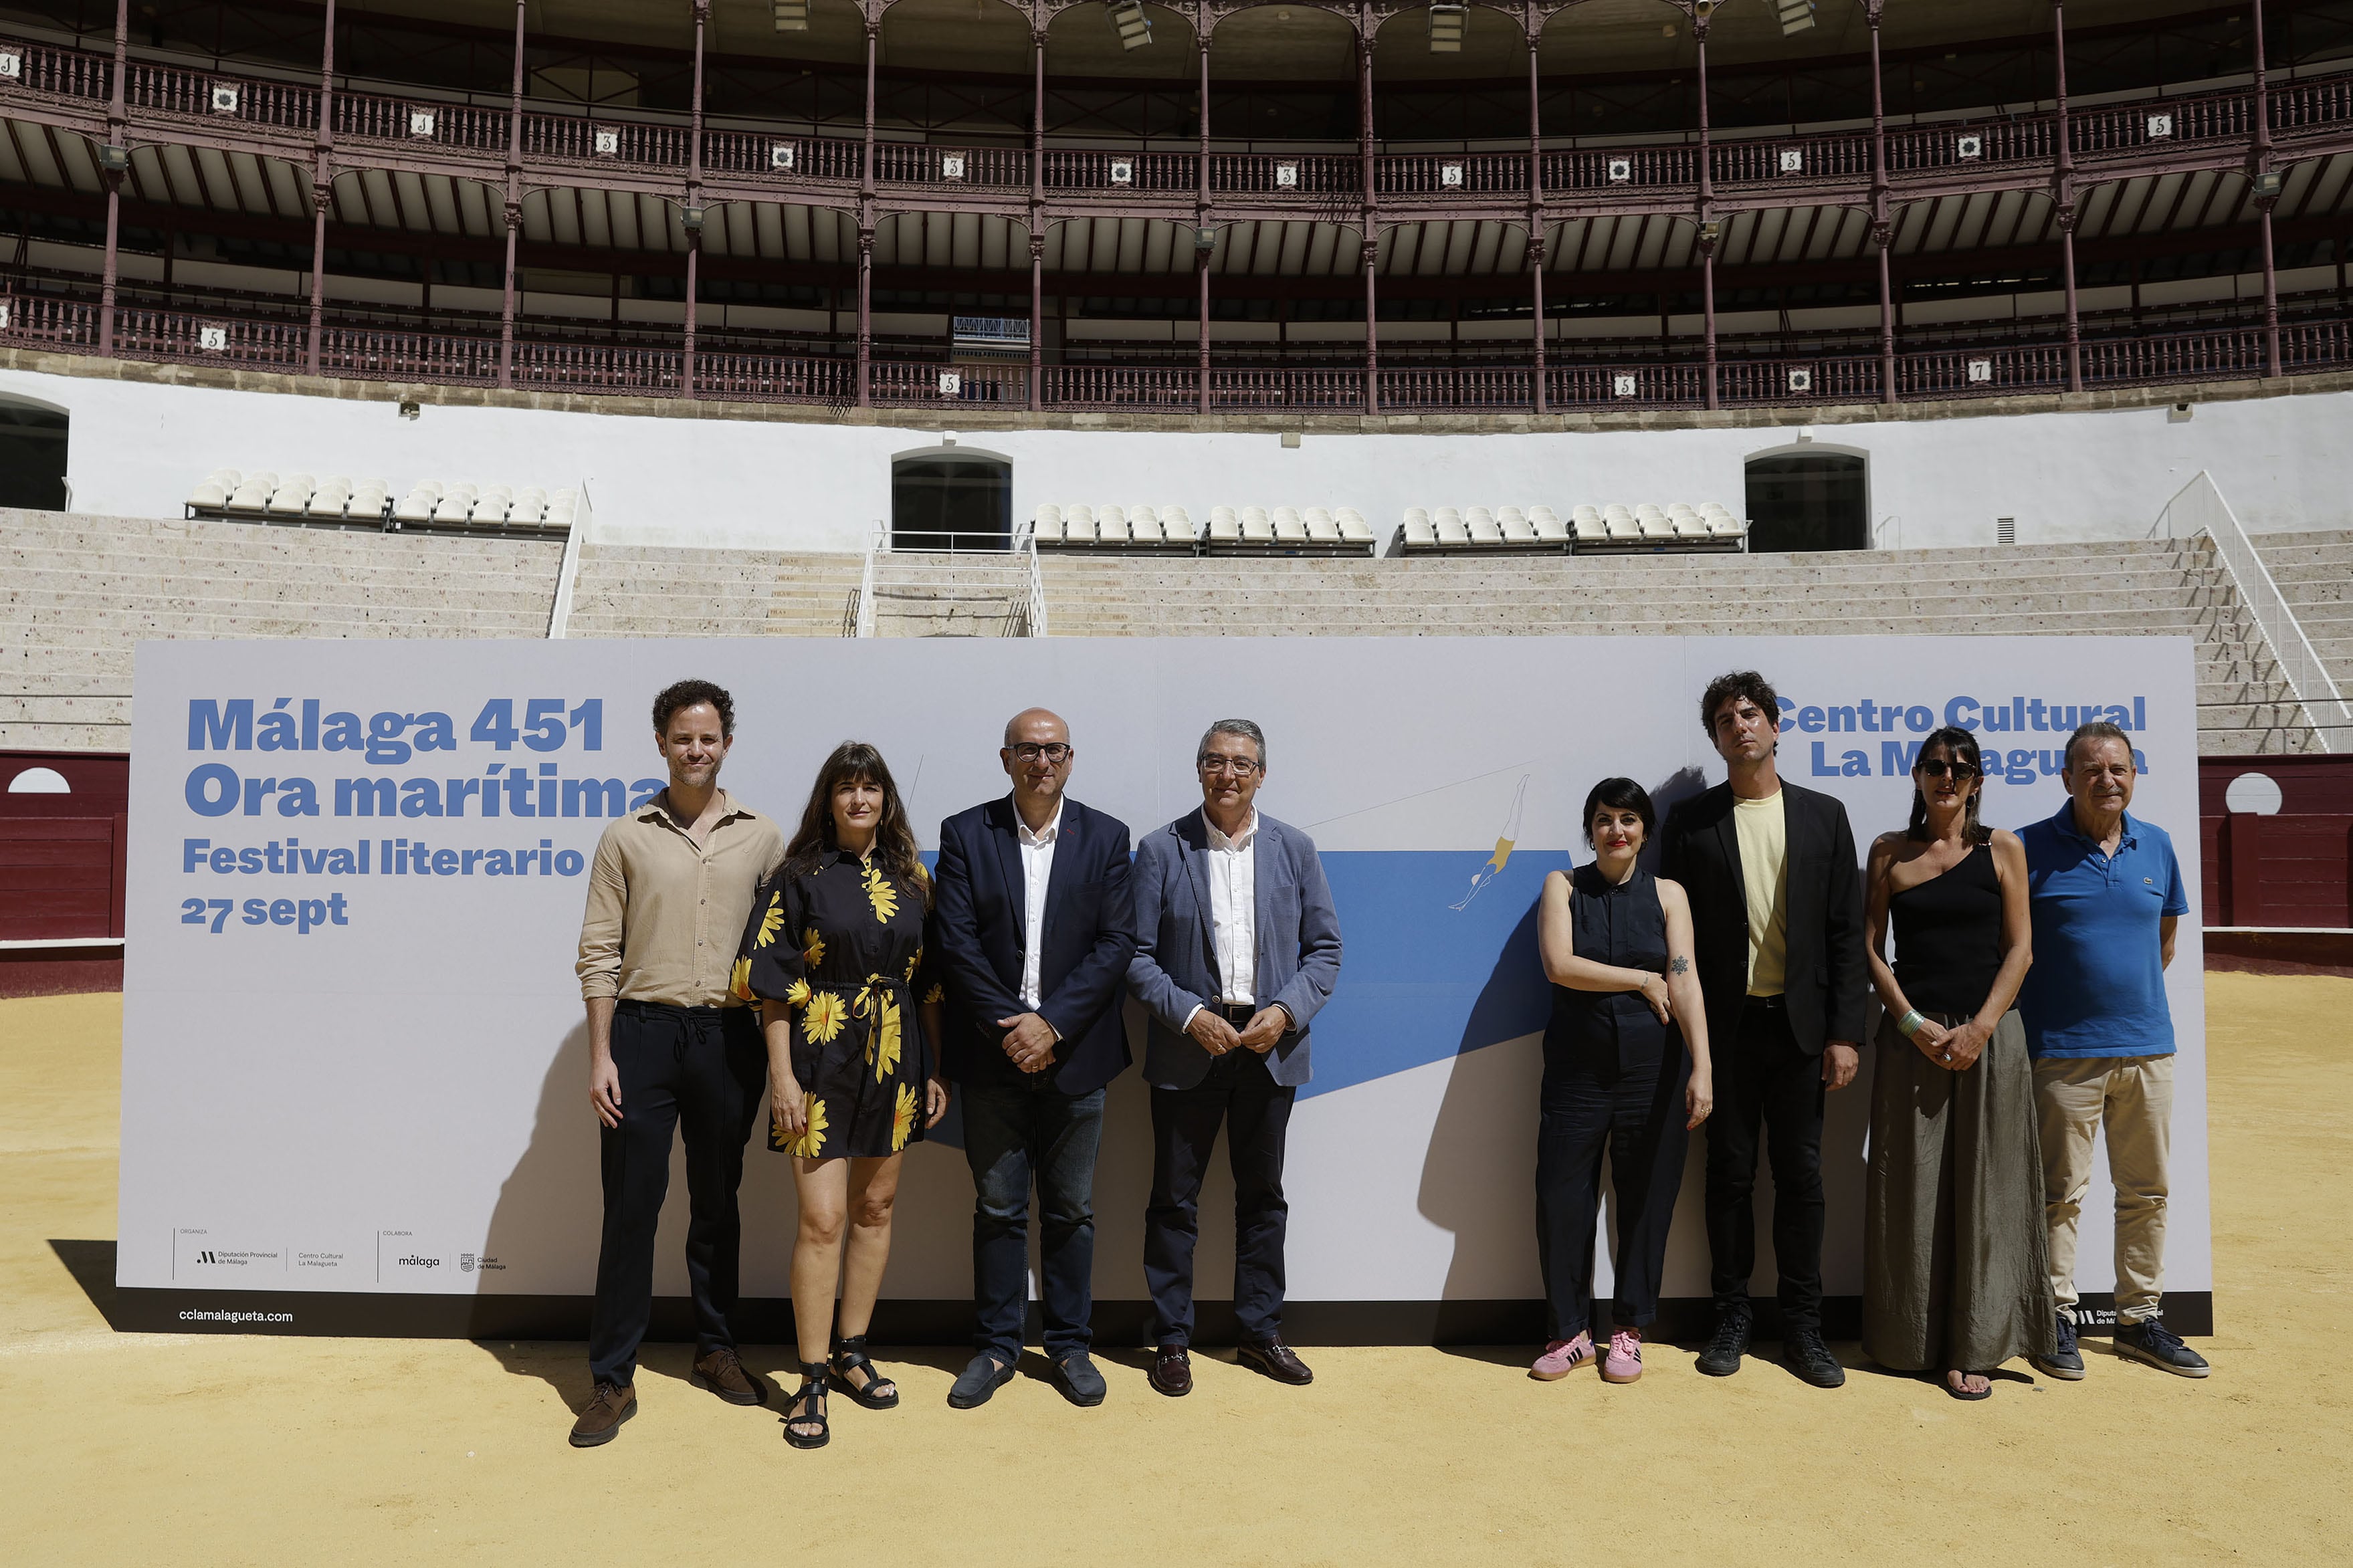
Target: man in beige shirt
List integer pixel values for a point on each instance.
(671, 1047)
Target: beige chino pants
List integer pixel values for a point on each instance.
(2131, 1098)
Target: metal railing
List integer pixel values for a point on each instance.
(862, 606)
(1034, 621)
(2199, 509)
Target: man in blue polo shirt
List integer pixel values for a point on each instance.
(2105, 893)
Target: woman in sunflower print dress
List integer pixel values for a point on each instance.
(834, 955)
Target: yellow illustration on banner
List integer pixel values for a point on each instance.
(1503, 855)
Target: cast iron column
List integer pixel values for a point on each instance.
(512, 211)
(323, 191)
(116, 120)
(1037, 208)
(1706, 202)
(1371, 238)
(2259, 163)
(2063, 190)
(1882, 228)
(866, 222)
(1535, 30)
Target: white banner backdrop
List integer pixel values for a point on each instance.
(354, 1057)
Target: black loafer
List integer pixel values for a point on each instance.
(1080, 1384)
(1172, 1371)
(1277, 1361)
(982, 1378)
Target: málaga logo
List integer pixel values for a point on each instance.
(413, 1261)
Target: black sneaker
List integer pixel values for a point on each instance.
(1803, 1353)
(1722, 1357)
(2064, 1362)
(2159, 1346)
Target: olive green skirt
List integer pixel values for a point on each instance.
(1954, 1247)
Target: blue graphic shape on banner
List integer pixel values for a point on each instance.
(1420, 980)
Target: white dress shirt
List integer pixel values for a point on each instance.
(1037, 870)
(1233, 911)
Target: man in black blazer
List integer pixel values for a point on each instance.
(1776, 923)
(1034, 931)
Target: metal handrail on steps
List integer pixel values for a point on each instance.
(2199, 509)
(862, 606)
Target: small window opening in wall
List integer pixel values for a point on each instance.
(2005, 531)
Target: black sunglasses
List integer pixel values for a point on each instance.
(1936, 768)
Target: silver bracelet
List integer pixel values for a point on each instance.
(1909, 1025)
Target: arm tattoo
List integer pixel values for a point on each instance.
(1680, 965)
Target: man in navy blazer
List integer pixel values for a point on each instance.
(1237, 949)
(1033, 928)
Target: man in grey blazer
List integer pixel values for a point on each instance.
(1237, 949)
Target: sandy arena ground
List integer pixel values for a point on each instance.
(246, 1449)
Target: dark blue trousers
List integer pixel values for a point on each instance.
(1015, 1132)
(1240, 1094)
(1635, 1112)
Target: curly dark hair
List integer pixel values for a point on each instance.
(684, 694)
(1735, 684)
(1958, 746)
(855, 762)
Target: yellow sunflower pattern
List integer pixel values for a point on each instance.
(739, 981)
(771, 920)
(810, 1144)
(903, 1117)
(938, 993)
(913, 964)
(821, 1020)
(813, 946)
(881, 894)
(883, 1043)
(798, 995)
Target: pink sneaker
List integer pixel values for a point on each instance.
(1624, 1362)
(1562, 1357)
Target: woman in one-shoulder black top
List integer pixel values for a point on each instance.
(1626, 1072)
(1954, 1244)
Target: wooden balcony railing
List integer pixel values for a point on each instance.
(2223, 352)
(71, 87)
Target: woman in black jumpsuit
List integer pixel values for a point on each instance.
(1625, 1070)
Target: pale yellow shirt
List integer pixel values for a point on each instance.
(1763, 829)
(665, 915)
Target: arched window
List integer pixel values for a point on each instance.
(32, 456)
(1809, 500)
(951, 497)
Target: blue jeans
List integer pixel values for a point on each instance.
(1013, 1132)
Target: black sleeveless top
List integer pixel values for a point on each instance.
(1948, 936)
(1622, 924)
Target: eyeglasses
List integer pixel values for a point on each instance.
(1053, 752)
(1936, 768)
(1240, 767)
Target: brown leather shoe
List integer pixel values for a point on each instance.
(1277, 1361)
(1172, 1371)
(721, 1373)
(601, 1417)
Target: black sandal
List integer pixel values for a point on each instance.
(1946, 1380)
(850, 1356)
(812, 1394)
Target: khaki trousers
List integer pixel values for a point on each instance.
(2132, 1098)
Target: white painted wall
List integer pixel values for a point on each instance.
(137, 449)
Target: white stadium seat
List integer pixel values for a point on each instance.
(1515, 524)
(1354, 529)
(1320, 526)
(1225, 524)
(1045, 528)
(1688, 522)
(1619, 521)
(213, 490)
(330, 499)
(1722, 524)
(1289, 526)
(1177, 523)
(369, 500)
(1257, 527)
(457, 504)
(1418, 534)
(252, 496)
(1654, 522)
(1448, 521)
(492, 505)
(1111, 524)
(293, 495)
(1143, 524)
(1479, 524)
(1547, 525)
(530, 508)
(562, 508)
(1591, 528)
(1079, 524)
